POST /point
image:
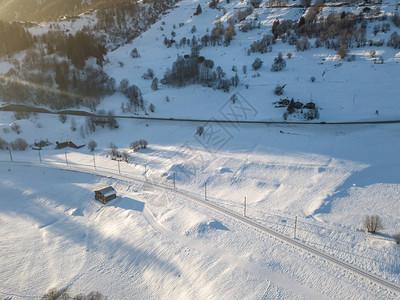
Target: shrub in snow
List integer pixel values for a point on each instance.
(289, 55)
(16, 128)
(3, 144)
(91, 145)
(372, 53)
(154, 84)
(373, 223)
(312, 79)
(143, 144)
(149, 74)
(234, 98)
(255, 3)
(112, 122)
(19, 144)
(62, 118)
(279, 89)
(200, 130)
(257, 64)
(40, 144)
(263, 45)
(397, 238)
(394, 40)
(351, 58)
(152, 108)
(302, 44)
(342, 51)
(123, 85)
(135, 53)
(396, 19)
(279, 63)
(114, 152)
(19, 115)
(140, 144)
(125, 156)
(213, 4)
(64, 294)
(73, 124)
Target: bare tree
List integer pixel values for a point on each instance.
(125, 156)
(19, 144)
(342, 51)
(92, 145)
(114, 152)
(373, 223)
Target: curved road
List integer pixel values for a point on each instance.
(382, 282)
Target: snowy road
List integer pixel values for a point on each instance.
(383, 283)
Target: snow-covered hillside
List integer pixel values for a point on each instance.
(343, 90)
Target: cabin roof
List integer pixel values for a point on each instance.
(106, 191)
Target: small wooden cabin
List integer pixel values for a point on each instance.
(105, 194)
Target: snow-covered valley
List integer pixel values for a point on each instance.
(154, 243)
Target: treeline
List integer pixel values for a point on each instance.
(125, 20)
(78, 48)
(47, 10)
(196, 69)
(54, 73)
(337, 30)
(74, 88)
(13, 38)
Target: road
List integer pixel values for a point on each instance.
(15, 108)
(380, 281)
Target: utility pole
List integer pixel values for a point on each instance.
(40, 157)
(119, 169)
(66, 159)
(244, 207)
(9, 149)
(174, 179)
(94, 161)
(295, 226)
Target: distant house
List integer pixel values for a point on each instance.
(105, 194)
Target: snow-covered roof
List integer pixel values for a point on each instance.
(106, 191)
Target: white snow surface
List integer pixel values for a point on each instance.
(153, 244)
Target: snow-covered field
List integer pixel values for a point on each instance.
(154, 244)
(150, 243)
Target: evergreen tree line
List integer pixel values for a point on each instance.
(13, 38)
(125, 20)
(78, 48)
(195, 69)
(50, 82)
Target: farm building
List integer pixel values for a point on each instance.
(105, 194)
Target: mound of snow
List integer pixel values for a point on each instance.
(203, 228)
